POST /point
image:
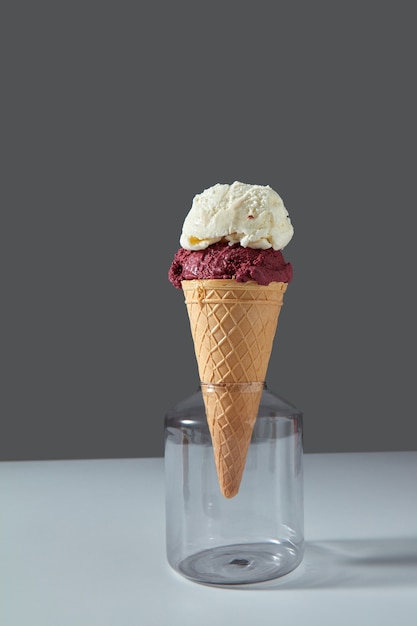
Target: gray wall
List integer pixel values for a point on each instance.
(113, 119)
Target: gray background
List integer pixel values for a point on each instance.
(114, 115)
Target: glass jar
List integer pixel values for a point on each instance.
(258, 534)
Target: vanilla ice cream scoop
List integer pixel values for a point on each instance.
(252, 215)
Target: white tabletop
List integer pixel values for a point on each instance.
(82, 543)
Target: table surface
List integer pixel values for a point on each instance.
(82, 543)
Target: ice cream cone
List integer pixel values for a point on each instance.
(233, 328)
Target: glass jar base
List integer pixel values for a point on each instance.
(242, 563)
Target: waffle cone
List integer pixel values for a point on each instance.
(233, 327)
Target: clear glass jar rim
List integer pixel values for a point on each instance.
(242, 387)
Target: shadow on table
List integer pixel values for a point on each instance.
(352, 563)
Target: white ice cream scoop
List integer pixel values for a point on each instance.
(252, 215)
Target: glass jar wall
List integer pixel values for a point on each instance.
(258, 534)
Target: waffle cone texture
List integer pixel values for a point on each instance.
(233, 326)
